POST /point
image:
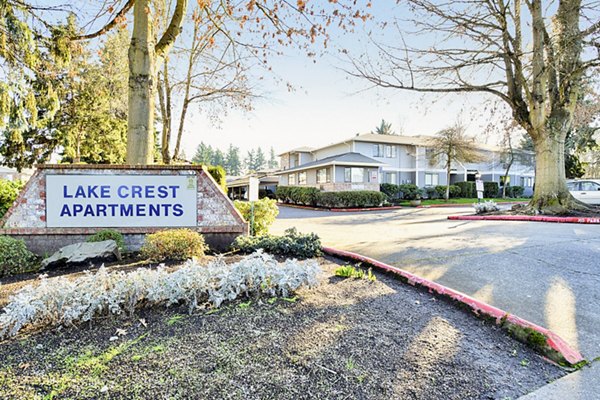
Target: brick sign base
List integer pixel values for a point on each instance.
(217, 219)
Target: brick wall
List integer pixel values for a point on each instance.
(217, 218)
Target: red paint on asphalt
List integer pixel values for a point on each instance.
(478, 307)
(532, 218)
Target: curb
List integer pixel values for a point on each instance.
(555, 343)
(506, 203)
(339, 209)
(532, 218)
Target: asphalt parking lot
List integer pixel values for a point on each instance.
(547, 273)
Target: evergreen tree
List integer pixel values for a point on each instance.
(218, 158)
(260, 162)
(273, 163)
(249, 161)
(204, 154)
(233, 164)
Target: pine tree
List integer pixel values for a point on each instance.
(260, 162)
(233, 164)
(204, 154)
(273, 163)
(249, 161)
(218, 158)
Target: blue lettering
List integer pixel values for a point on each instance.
(166, 209)
(101, 209)
(77, 208)
(66, 194)
(92, 192)
(177, 210)
(120, 191)
(174, 188)
(113, 208)
(127, 210)
(140, 210)
(65, 210)
(149, 192)
(105, 191)
(154, 210)
(162, 192)
(88, 210)
(80, 192)
(136, 191)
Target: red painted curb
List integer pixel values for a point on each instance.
(478, 307)
(532, 218)
(464, 205)
(340, 209)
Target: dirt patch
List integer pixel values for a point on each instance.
(345, 339)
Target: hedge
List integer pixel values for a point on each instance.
(490, 190)
(297, 195)
(392, 191)
(467, 189)
(515, 191)
(440, 191)
(356, 198)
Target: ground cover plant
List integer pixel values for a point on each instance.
(343, 339)
(66, 302)
(291, 244)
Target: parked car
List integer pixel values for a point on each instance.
(585, 190)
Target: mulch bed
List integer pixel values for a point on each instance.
(345, 339)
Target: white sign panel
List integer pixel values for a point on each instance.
(479, 185)
(103, 201)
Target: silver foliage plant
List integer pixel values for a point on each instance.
(485, 206)
(61, 301)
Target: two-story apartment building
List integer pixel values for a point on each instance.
(364, 161)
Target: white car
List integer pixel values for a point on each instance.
(585, 190)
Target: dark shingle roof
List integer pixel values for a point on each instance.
(345, 158)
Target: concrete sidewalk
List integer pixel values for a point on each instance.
(548, 274)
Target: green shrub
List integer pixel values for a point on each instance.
(410, 191)
(391, 190)
(431, 192)
(219, 175)
(467, 189)
(265, 212)
(515, 191)
(291, 244)
(9, 190)
(297, 195)
(490, 190)
(355, 198)
(108, 234)
(173, 244)
(14, 257)
(455, 191)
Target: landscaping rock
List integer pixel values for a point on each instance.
(80, 252)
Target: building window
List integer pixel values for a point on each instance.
(390, 151)
(431, 179)
(291, 179)
(302, 178)
(354, 175)
(323, 175)
(390, 177)
(378, 150)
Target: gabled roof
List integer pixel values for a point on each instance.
(355, 159)
(302, 149)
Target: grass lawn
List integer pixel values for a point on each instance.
(344, 339)
(462, 201)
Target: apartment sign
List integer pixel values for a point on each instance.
(120, 201)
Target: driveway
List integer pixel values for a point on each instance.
(544, 272)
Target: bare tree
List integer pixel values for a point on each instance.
(452, 145)
(214, 77)
(480, 46)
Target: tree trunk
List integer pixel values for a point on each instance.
(551, 195)
(448, 168)
(142, 87)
